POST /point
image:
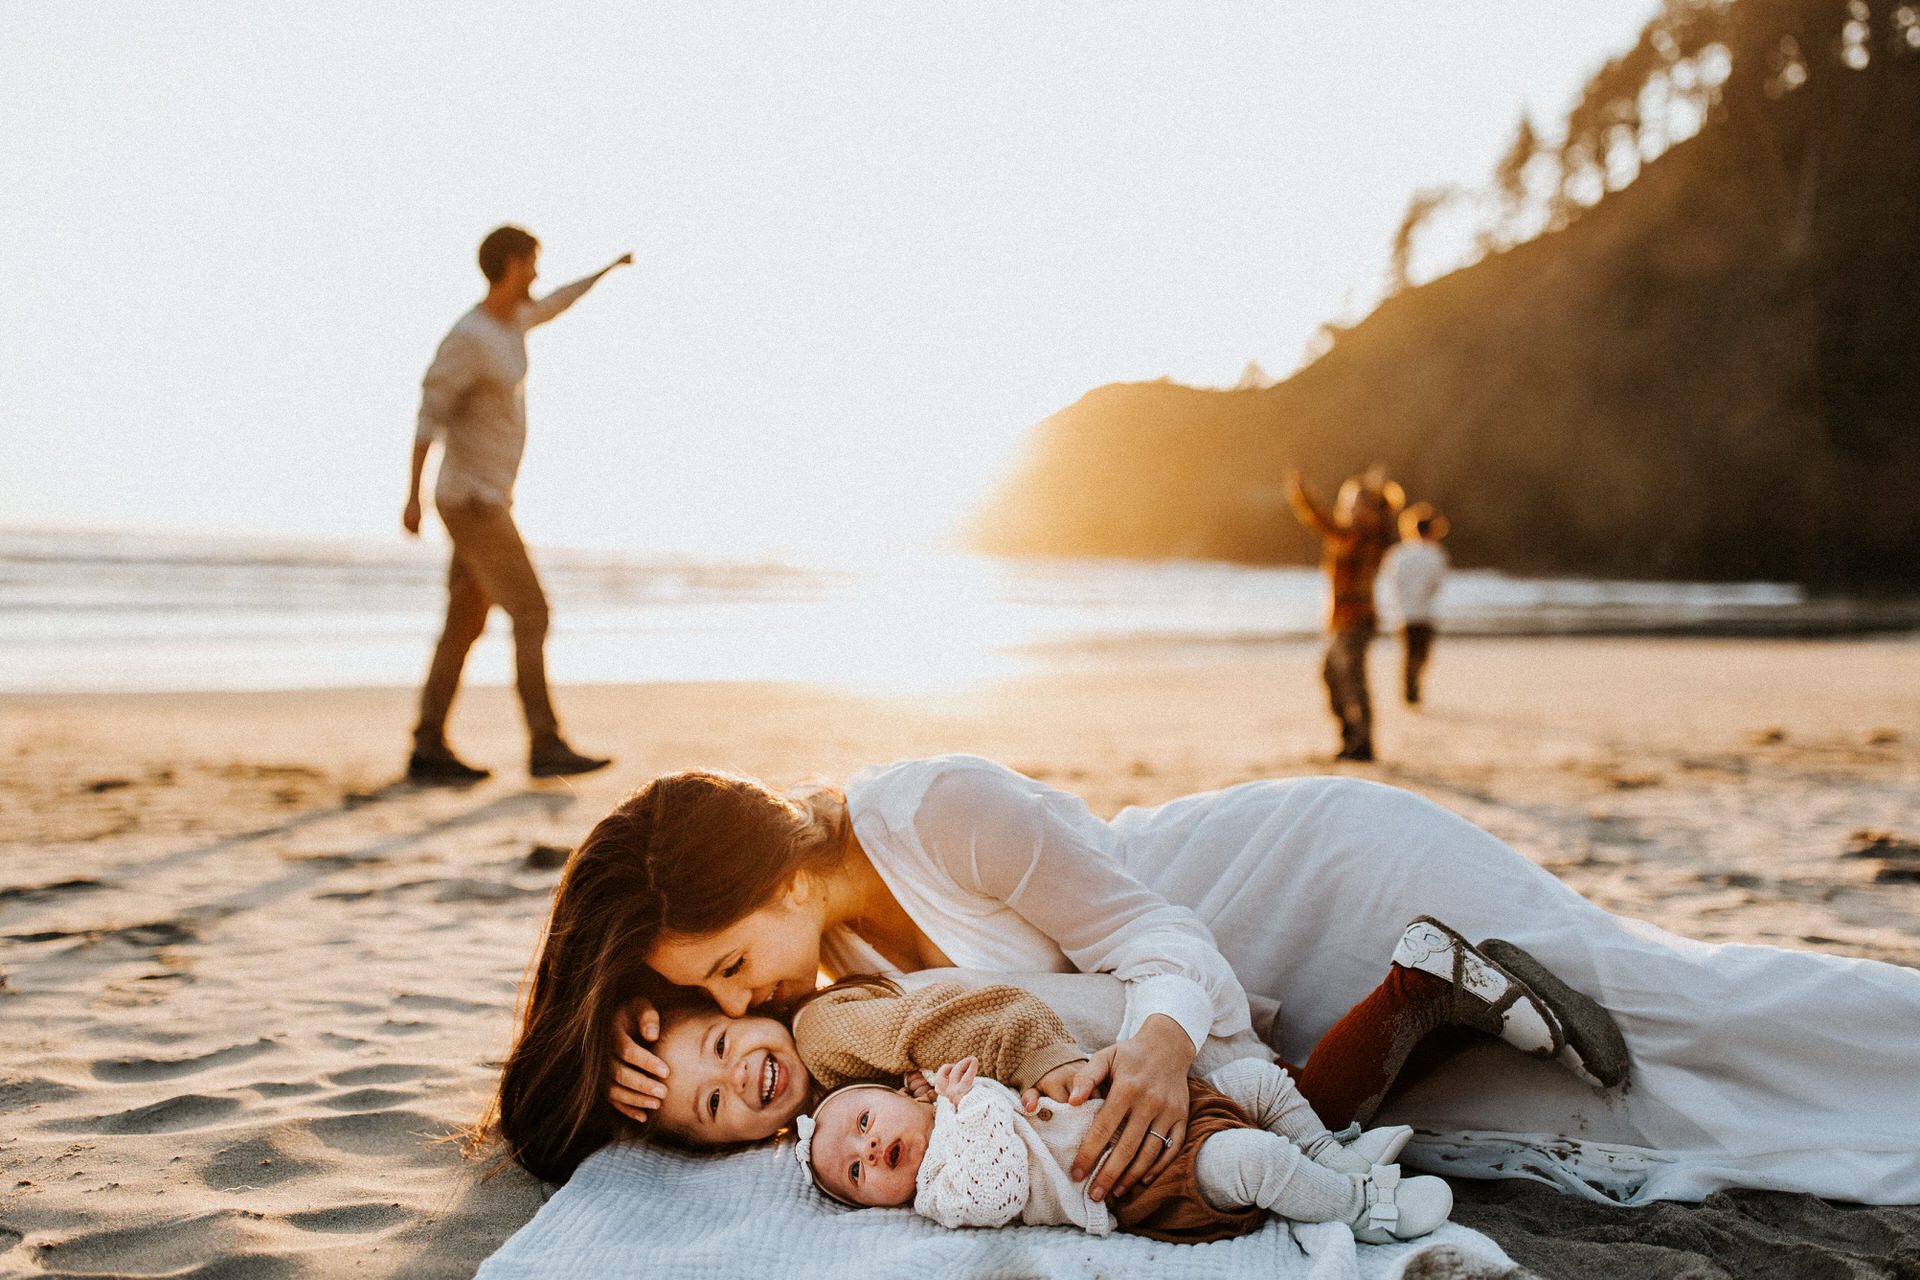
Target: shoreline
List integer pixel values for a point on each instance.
(248, 978)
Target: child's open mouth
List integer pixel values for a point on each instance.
(893, 1154)
(773, 1078)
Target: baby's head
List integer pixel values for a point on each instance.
(865, 1143)
(732, 1079)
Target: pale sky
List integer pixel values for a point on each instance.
(874, 242)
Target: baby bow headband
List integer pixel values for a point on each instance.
(803, 1149)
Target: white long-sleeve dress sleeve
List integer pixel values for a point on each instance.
(975, 1171)
(1003, 872)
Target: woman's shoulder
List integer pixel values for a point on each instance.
(947, 793)
(907, 781)
(927, 766)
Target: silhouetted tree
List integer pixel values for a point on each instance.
(1423, 205)
(1510, 183)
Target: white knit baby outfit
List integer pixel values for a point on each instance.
(988, 1161)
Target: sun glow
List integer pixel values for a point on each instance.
(873, 244)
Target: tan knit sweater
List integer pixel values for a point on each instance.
(866, 1035)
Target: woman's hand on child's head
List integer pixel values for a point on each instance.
(954, 1080)
(639, 1077)
(917, 1084)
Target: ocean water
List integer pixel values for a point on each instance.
(119, 611)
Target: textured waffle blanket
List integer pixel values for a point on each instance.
(659, 1215)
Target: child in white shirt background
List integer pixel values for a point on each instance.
(1415, 568)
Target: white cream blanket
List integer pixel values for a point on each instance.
(655, 1214)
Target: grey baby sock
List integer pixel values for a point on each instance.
(1240, 1168)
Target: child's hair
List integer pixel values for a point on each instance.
(1421, 521)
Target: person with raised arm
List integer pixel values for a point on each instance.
(473, 402)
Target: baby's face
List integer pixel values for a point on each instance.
(732, 1079)
(869, 1145)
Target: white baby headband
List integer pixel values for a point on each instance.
(805, 1126)
(803, 1149)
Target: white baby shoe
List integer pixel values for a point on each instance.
(1400, 1208)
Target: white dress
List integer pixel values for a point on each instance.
(1752, 1066)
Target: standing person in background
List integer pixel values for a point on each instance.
(1415, 568)
(1353, 539)
(473, 400)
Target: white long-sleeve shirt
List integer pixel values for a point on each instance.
(473, 399)
(1415, 570)
(1007, 874)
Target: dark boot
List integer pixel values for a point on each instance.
(1595, 1049)
(441, 768)
(553, 758)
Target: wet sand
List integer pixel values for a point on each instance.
(251, 984)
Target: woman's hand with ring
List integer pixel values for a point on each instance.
(639, 1076)
(1146, 1091)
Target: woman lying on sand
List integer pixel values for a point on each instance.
(1753, 1066)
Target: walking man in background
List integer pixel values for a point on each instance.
(1415, 568)
(1353, 540)
(473, 401)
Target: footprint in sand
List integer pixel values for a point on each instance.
(284, 1088)
(139, 1069)
(178, 1246)
(378, 1073)
(154, 934)
(444, 1004)
(31, 1091)
(380, 1133)
(253, 1162)
(48, 892)
(408, 1027)
(170, 1115)
(368, 1099)
(351, 1219)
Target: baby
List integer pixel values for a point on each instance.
(974, 1158)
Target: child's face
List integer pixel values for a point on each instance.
(733, 1079)
(869, 1145)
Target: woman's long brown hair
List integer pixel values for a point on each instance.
(686, 855)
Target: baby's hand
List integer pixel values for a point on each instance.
(1056, 1084)
(916, 1084)
(954, 1080)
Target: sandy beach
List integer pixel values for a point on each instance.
(251, 984)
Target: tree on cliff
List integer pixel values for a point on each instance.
(1707, 364)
